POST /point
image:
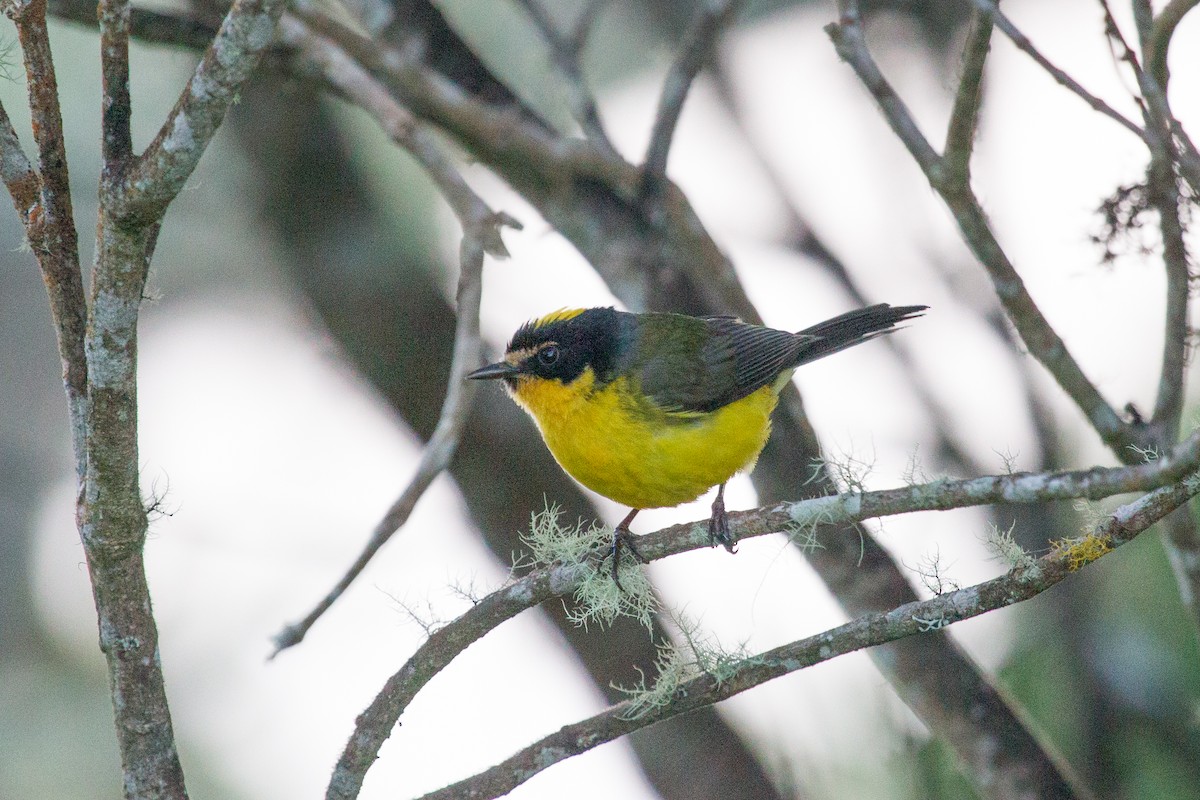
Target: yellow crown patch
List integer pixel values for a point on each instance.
(558, 316)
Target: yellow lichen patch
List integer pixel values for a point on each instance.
(1082, 551)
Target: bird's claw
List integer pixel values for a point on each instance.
(718, 526)
(622, 537)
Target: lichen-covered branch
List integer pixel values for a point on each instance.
(376, 723)
(112, 517)
(912, 619)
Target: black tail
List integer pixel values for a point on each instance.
(853, 327)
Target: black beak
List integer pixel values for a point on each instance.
(500, 369)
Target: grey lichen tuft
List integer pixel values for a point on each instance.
(1006, 548)
(673, 668)
(597, 598)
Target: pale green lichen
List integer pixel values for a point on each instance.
(1006, 548)
(598, 598)
(698, 654)
(673, 668)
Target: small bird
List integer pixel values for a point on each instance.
(653, 410)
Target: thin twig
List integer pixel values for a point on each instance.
(849, 40)
(549, 170)
(1163, 187)
(1023, 43)
(480, 233)
(964, 116)
(566, 54)
(695, 51)
(441, 445)
(1166, 137)
(1161, 34)
(377, 722)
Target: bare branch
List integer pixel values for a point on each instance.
(376, 723)
(1161, 33)
(565, 52)
(695, 51)
(1022, 42)
(1163, 188)
(117, 140)
(43, 201)
(850, 42)
(964, 116)
(15, 170)
(158, 175)
(1039, 336)
(1143, 20)
(145, 25)
(441, 446)
(481, 232)
(347, 77)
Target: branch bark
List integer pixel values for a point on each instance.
(98, 337)
(1025, 580)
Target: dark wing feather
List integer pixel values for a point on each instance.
(852, 328)
(690, 364)
(759, 355)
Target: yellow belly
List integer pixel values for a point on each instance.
(637, 456)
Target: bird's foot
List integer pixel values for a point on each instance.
(623, 538)
(718, 524)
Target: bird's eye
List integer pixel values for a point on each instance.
(548, 355)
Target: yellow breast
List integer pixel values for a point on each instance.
(639, 456)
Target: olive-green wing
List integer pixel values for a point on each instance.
(690, 365)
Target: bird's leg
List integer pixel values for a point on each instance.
(718, 523)
(623, 537)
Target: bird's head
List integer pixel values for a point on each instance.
(560, 346)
